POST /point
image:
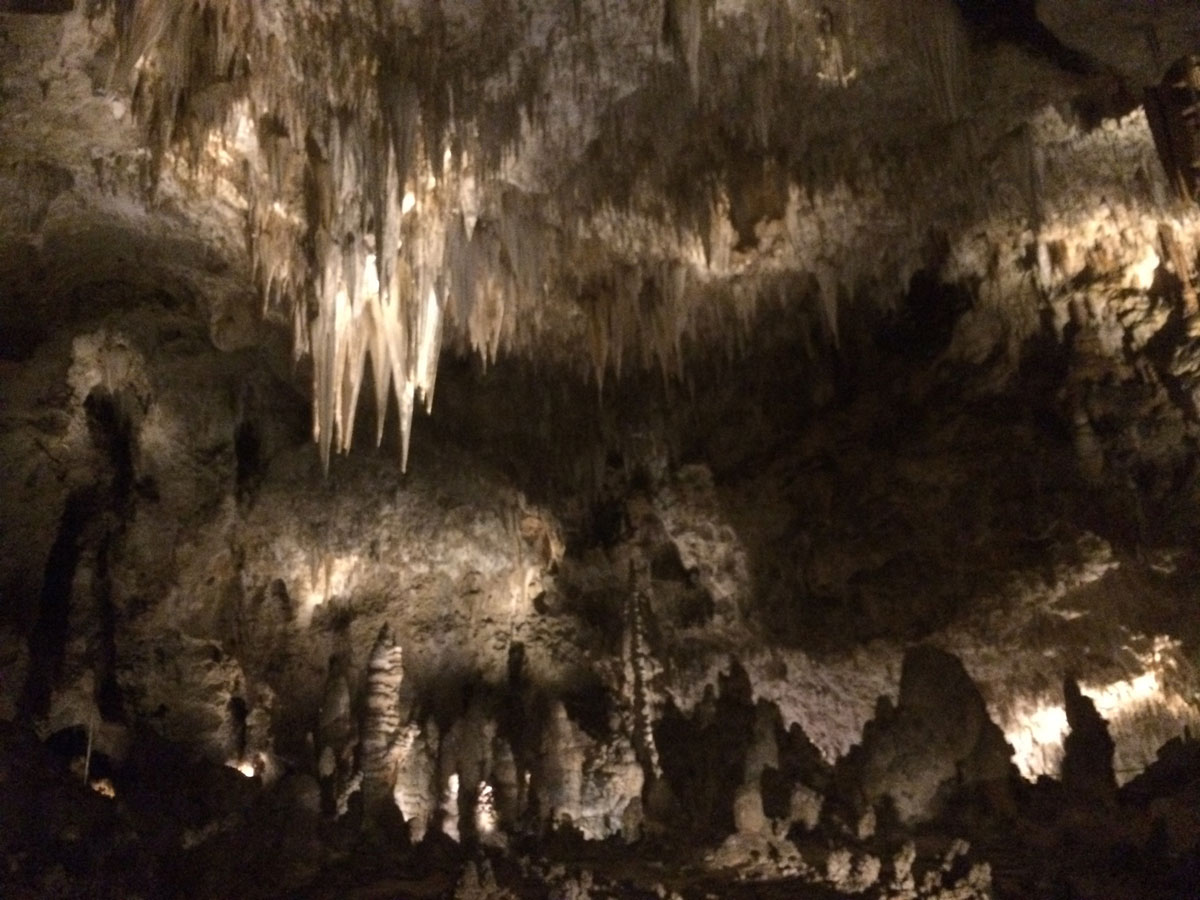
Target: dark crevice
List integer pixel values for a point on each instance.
(112, 421)
(86, 526)
(247, 448)
(704, 753)
(108, 693)
(590, 706)
(19, 340)
(47, 641)
(112, 428)
(37, 7)
(238, 713)
(1016, 22)
(923, 325)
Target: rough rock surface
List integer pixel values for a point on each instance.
(937, 739)
(817, 394)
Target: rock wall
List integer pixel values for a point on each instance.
(791, 339)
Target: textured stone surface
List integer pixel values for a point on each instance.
(936, 739)
(776, 340)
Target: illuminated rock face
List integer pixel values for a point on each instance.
(598, 189)
(772, 340)
(383, 745)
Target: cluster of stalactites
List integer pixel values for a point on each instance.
(937, 30)
(379, 296)
(638, 306)
(381, 161)
(373, 211)
(361, 221)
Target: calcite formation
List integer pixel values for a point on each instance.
(811, 495)
(383, 748)
(938, 734)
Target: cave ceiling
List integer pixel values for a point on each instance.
(602, 187)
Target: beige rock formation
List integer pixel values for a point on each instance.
(788, 355)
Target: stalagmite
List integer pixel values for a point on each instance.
(637, 658)
(560, 769)
(336, 734)
(414, 792)
(1174, 251)
(1087, 767)
(507, 790)
(383, 732)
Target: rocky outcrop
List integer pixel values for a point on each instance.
(610, 802)
(935, 741)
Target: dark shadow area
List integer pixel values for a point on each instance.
(251, 467)
(37, 7)
(47, 640)
(1016, 21)
(111, 422)
(704, 754)
(104, 654)
(922, 326)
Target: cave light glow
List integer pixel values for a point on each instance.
(1037, 736)
(485, 809)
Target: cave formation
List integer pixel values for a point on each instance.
(808, 504)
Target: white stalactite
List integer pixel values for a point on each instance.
(400, 183)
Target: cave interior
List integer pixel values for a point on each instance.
(810, 503)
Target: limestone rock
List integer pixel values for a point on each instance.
(851, 322)
(805, 807)
(748, 817)
(936, 740)
(415, 787)
(383, 728)
(610, 798)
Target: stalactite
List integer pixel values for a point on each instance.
(401, 167)
(828, 285)
(342, 90)
(833, 68)
(372, 206)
